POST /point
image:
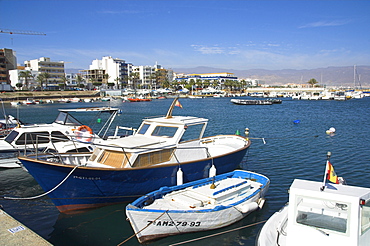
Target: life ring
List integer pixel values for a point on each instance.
(81, 133)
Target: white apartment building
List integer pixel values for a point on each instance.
(150, 77)
(115, 68)
(55, 69)
(146, 76)
(16, 78)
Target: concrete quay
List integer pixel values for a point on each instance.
(12, 232)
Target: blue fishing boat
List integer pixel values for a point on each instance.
(200, 205)
(165, 151)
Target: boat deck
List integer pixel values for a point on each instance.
(226, 192)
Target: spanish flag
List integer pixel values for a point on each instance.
(178, 104)
(331, 175)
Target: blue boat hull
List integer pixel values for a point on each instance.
(95, 187)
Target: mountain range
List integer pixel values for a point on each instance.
(330, 76)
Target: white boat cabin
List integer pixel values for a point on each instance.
(64, 128)
(338, 215)
(155, 142)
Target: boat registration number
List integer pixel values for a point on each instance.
(174, 223)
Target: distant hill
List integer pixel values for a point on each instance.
(330, 76)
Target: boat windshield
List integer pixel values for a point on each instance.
(67, 119)
(143, 129)
(11, 136)
(164, 131)
(193, 132)
(322, 214)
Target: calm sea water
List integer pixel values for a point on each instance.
(287, 151)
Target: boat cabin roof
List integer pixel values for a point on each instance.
(162, 132)
(306, 187)
(177, 120)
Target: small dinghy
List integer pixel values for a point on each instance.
(200, 205)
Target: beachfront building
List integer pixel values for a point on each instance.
(49, 73)
(147, 76)
(23, 78)
(93, 77)
(150, 77)
(110, 72)
(8, 61)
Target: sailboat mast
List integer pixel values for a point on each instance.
(354, 77)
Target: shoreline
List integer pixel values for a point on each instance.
(8, 97)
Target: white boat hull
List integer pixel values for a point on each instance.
(171, 223)
(274, 231)
(190, 210)
(9, 163)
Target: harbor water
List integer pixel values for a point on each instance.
(289, 141)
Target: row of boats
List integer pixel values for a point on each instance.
(178, 181)
(31, 101)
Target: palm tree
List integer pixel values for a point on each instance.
(215, 83)
(153, 76)
(64, 80)
(118, 79)
(26, 75)
(105, 78)
(40, 81)
(44, 78)
(124, 81)
(134, 77)
(79, 79)
(312, 82)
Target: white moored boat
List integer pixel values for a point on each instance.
(200, 205)
(332, 214)
(65, 134)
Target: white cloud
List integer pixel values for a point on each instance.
(326, 23)
(208, 50)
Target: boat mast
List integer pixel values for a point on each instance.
(169, 113)
(354, 77)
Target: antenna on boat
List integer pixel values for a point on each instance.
(169, 113)
(326, 171)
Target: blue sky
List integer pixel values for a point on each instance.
(183, 34)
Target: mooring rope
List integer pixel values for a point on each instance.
(216, 234)
(142, 229)
(264, 139)
(44, 194)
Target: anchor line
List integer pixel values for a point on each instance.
(44, 194)
(216, 234)
(264, 139)
(142, 228)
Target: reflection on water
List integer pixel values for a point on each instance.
(291, 150)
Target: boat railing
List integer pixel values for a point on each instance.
(179, 152)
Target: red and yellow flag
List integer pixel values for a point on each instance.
(331, 175)
(178, 104)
